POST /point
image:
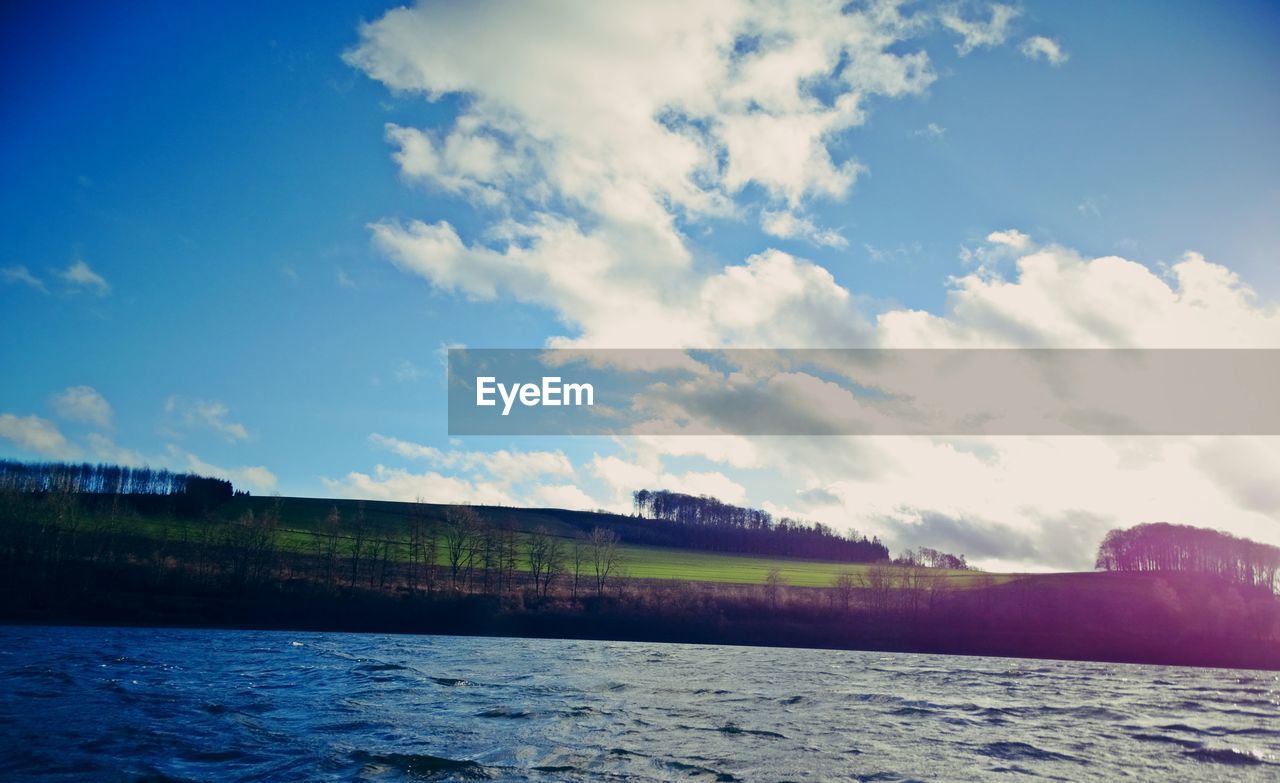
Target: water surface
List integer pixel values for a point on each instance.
(130, 704)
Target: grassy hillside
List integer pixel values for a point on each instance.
(300, 518)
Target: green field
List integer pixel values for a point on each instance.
(300, 518)
(693, 565)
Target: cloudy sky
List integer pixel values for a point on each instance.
(240, 242)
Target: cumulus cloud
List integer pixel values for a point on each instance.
(788, 225)
(599, 132)
(1061, 299)
(83, 404)
(254, 477)
(501, 477)
(1037, 47)
(189, 413)
(106, 450)
(386, 483)
(79, 275)
(37, 435)
(19, 274)
(623, 477)
(980, 33)
(931, 131)
(508, 467)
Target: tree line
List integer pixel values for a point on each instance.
(101, 479)
(60, 529)
(1160, 546)
(703, 522)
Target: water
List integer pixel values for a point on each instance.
(129, 704)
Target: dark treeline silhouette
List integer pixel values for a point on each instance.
(87, 478)
(707, 523)
(1160, 546)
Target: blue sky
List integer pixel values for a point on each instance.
(218, 168)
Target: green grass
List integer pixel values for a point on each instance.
(300, 518)
(697, 566)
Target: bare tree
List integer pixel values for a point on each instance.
(577, 560)
(774, 581)
(359, 536)
(537, 552)
(417, 542)
(845, 584)
(459, 533)
(328, 541)
(554, 565)
(508, 557)
(604, 555)
(877, 582)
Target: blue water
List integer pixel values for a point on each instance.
(130, 704)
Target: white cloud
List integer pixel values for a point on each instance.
(787, 225)
(1037, 47)
(190, 413)
(34, 434)
(1010, 238)
(106, 450)
(406, 372)
(1062, 299)
(978, 34)
(465, 162)
(563, 496)
(400, 484)
(503, 466)
(20, 274)
(254, 477)
(598, 133)
(80, 275)
(83, 404)
(345, 280)
(932, 131)
(624, 477)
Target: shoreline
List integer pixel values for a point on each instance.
(1053, 619)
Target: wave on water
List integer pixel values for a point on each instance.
(1231, 756)
(84, 705)
(422, 766)
(1024, 751)
(733, 728)
(510, 713)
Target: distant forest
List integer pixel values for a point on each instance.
(707, 523)
(1160, 546)
(189, 492)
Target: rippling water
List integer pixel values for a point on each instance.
(127, 704)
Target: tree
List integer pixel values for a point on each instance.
(359, 534)
(877, 582)
(418, 533)
(845, 584)
(604, 556)
(536, 553)
(774, 581)
(328, 543)
(459, 541)
(1160, 546)
(577, 560)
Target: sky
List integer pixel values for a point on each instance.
(238, 239)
